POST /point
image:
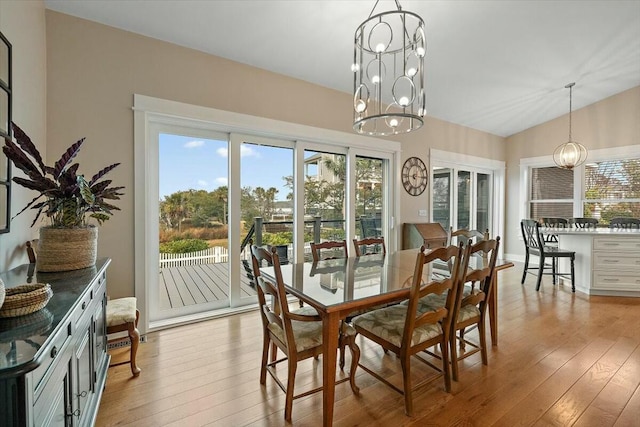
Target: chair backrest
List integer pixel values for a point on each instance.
(531, 234)
(479, 267)
(624, 223)
(585, 222)
(336, 248)
(550, 222)
(370, 227)
(436, 285)
(260, 256)
(369, 246)
(463, 235)
(278, 312)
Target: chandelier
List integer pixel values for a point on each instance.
(571, 153)
(388, 73)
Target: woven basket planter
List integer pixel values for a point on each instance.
(25, 299)
(65, 249)
(2, 292)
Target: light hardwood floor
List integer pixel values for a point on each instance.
(563, 359)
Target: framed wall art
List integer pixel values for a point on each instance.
(5, 132)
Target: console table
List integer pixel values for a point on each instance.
(607, 260)
(53, 363)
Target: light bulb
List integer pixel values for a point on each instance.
(380, 47)
(420, 52)
(355, 67)
(411, 72)
(393, 123)
(360, 106)
(403, 101)
(375, 79)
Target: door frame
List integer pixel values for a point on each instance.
(475, 164)
(148, 109)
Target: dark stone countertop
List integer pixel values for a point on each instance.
(22, 338)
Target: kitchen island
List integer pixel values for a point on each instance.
(607, 260)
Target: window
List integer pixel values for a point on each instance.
(296, 156)
(612, 189)
(607, 186)
(551, 193)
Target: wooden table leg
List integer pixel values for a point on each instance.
(330, 328)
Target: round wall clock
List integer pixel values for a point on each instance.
(415, 176)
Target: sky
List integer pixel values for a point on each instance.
(202, 164)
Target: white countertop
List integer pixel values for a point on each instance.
(593, 231)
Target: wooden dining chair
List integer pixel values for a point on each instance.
(463, 235)
(584, 222)
(336, 249)
(471, 307)
(534, 245)
(369, 246)
(405, 331)
(625, 223)
(297, 333)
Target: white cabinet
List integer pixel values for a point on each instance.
(616, 263)
(61, 382)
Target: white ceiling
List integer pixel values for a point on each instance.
(498, 66)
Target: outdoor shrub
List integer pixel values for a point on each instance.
(183, 246)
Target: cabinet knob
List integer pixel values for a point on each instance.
(83, 394)
(54, 352)
(84, 305)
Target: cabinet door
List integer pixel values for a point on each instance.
(100, 334)
(84, 386)
(53, 408)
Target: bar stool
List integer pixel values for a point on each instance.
(122, 316)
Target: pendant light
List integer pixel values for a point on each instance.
(388, 73)
(571, 153)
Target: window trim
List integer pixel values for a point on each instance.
(596, 155)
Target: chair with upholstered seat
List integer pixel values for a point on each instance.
(478, 268)
(625, 223)
(368, 246)
(584, 222)
(335, 249)
(122, 315)
(405, 331)
(297, 333)
(534, 245)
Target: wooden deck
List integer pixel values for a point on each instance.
(198, 284)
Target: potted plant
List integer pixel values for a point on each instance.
(67, 199)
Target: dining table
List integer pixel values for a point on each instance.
(337, 288)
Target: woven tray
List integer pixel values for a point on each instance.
(25, 299)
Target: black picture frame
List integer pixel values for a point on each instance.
(5, 132)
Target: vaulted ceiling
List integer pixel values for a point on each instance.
(497, 66)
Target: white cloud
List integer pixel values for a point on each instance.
(202, 183)
(245, 151)
(194, 144)
(222, 180)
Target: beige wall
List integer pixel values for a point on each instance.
(612, 122)
(23, 23)
(94, 70)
